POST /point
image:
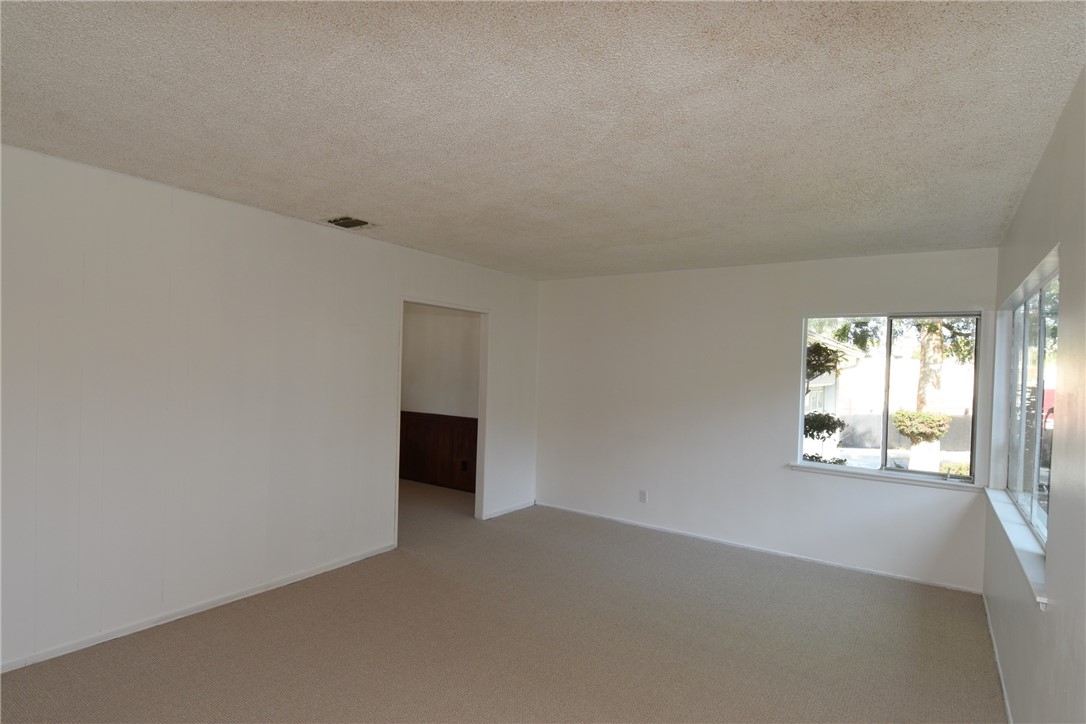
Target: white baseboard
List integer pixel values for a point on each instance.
(510, 509)
(757, 548)
(999, 666)
(187, 611)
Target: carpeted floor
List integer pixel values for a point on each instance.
(543, 615)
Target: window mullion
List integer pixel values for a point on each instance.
(1023, 414)
(886, 394)
(1038, 423)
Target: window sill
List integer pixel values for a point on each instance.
(901, 478)
(1030, 554)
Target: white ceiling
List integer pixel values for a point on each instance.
(556, 140)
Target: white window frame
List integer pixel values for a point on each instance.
(883, 472)
(1017, 384)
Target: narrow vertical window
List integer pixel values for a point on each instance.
(1032, 418)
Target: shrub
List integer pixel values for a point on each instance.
(816, 458)
(821, 425)
(921, 426)
(959, 469)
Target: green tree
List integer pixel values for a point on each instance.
(938, 339)
(822, 359)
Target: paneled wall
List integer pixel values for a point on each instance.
(438, 449)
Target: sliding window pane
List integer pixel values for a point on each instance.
(1017, 432)
(1031, 406)
(846, 374)
(930, 425)
(1049, 312)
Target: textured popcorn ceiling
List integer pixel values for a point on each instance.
(555, 140)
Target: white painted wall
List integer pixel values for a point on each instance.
(200, 398)
(688, 385)
(440, 360)
(1042, 654)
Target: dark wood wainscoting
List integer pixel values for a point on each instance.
(438, 449)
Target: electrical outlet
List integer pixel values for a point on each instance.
(642, 496)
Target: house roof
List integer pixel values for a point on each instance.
(558, 140)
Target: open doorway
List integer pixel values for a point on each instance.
(442, 410)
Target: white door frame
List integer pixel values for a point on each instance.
(480, 450)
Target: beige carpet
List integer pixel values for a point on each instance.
(543, 615)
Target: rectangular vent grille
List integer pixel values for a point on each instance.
(347, 222)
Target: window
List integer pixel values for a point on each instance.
(892, 393)
(1033, 403)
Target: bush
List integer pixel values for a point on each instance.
(959, 469)
(816, 458)
(821, 425)
(921, 426)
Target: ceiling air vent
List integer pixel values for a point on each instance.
(347, 222)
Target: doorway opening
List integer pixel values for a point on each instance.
(442, 410)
